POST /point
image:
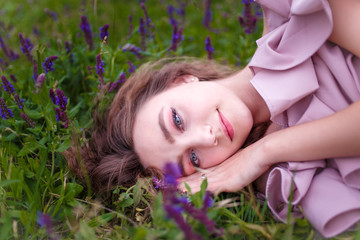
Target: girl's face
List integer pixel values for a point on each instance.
(195, 124)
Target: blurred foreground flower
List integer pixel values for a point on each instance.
(44, 220)
(175, 205)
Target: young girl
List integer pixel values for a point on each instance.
(306, 85)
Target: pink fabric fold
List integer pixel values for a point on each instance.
(303, 77)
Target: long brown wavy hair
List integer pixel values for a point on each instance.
(108, 158)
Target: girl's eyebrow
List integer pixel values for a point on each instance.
(163, 128)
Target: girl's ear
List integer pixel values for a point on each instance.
(185, 79)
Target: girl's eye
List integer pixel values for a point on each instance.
(194, 159)
(177, 120)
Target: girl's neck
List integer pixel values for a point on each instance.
(240, 84)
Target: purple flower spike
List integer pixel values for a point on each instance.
(13, 78)
(68, 51)
(51, 14)
(142, 32)
(86, 28)
(248, 20)
(35, 72)
(61, 100)
(208, 47)
(44, 220)
(132, 68)
(170, 10)
(208, 15)
(132, 48)
(172, 173)
(62, 117)
(147, 18)
(104, 32)
(26, 47)
(99, 67)
(48, 63)
(7, 85)
(19, 101)
(115, 86)
(27, 120)
(53, 96)
(176, 37)
(131, 26)
(5, 112)
(40, 82)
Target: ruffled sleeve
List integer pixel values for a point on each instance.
(303, 77)
(282, 64)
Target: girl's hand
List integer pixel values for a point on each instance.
(234, 173)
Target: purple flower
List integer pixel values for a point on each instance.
(174, 213)
(13, 78)
(5, 112)
(40, 82)
(3, 64)
(207, 202)
(53, 96)
(147, 18)
(7, 85)
(61, 99)
(208, 15)
(170, 10)
(132, 68)
(48, 63)
(62, 117)
(44, 220)
(8, 52)
(99, 68)
(35, 72)
(104, 32)
(115, 86)
(26, 47)
(51, 14)
(19, 101)
(27, 120)
(130, 25)
(142, 34)
(208, 47)
(172, 173)
(68, 51)
(176, 37)
(86, 28)
(132, 48)
(248, 20)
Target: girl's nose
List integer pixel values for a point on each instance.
(205, 136)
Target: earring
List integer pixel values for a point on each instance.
(192, 79)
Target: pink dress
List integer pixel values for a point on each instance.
(303, 77)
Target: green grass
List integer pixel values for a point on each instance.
(34, 175)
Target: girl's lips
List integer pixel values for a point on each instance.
(227, 127)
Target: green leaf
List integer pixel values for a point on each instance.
(64, 145)
(33, 114)
(75, 110)
(4, 183)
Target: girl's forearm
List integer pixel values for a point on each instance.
(337, 135)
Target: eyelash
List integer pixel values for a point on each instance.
(178, 122)
(193, 162)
